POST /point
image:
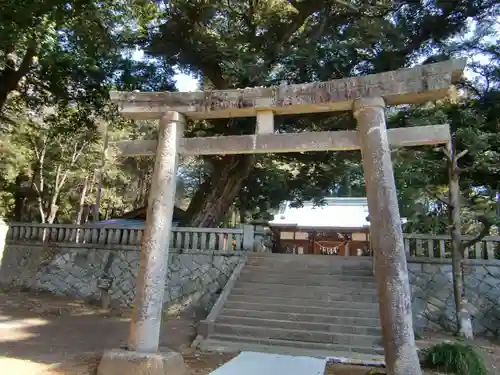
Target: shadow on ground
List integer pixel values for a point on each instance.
(40, 330)
(44, 329)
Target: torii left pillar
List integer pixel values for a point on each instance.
(142, 356)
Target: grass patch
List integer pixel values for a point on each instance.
(454, 358)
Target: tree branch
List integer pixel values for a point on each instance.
(447, 153)
(304, 10)
(461, 154)
(10, 75)
(58, 174)
(475, 166)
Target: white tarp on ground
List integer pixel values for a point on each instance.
(250, 363)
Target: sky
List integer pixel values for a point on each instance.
(185, 82)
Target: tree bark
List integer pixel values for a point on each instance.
(463, 318)
(53, 208)
(40, 155)
(97, 207)
(213, 199)
(10, 76)
(52, 213)
(81, 205)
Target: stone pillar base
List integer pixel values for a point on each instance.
(125, 362)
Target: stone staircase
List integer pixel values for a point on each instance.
(297, 304)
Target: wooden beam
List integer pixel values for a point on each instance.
(288, 142)
(405, 86)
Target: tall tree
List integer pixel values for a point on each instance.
(462, 189)
(235, 44)
(59, 55)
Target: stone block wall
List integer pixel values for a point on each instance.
(194, 277)
(433, 301)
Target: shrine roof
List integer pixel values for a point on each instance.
(338, 213)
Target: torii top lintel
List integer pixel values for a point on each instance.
(405, 86)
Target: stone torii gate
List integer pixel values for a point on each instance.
(367, 97)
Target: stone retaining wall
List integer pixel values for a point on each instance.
(433, 301)
(194, 277)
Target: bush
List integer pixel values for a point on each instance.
(454, 358)
(375, 372)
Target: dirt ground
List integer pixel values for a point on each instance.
(41, 334)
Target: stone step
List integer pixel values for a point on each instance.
(308, 259)
(320, 270)
(311, 297)
(364, 302)
(323, 271)
(297, 335)
(299, 279)
(333, 308)
(310, 327)
(278, 289)
(229, 343)
(342, 318)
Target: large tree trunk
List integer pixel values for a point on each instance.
(463, 318)
(214, 197)
(12, 73)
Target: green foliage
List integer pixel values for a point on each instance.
(68, 55)
(454, 358)
(235, 44)
(72, 51)
(58, 60)
(375, 371)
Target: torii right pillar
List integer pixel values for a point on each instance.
(386, 235)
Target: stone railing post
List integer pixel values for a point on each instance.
(148, 304)
(386, 237)
(248, 237)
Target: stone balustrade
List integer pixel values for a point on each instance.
(86, 261)
(125, 237)
(73, 260)
(439, 246)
